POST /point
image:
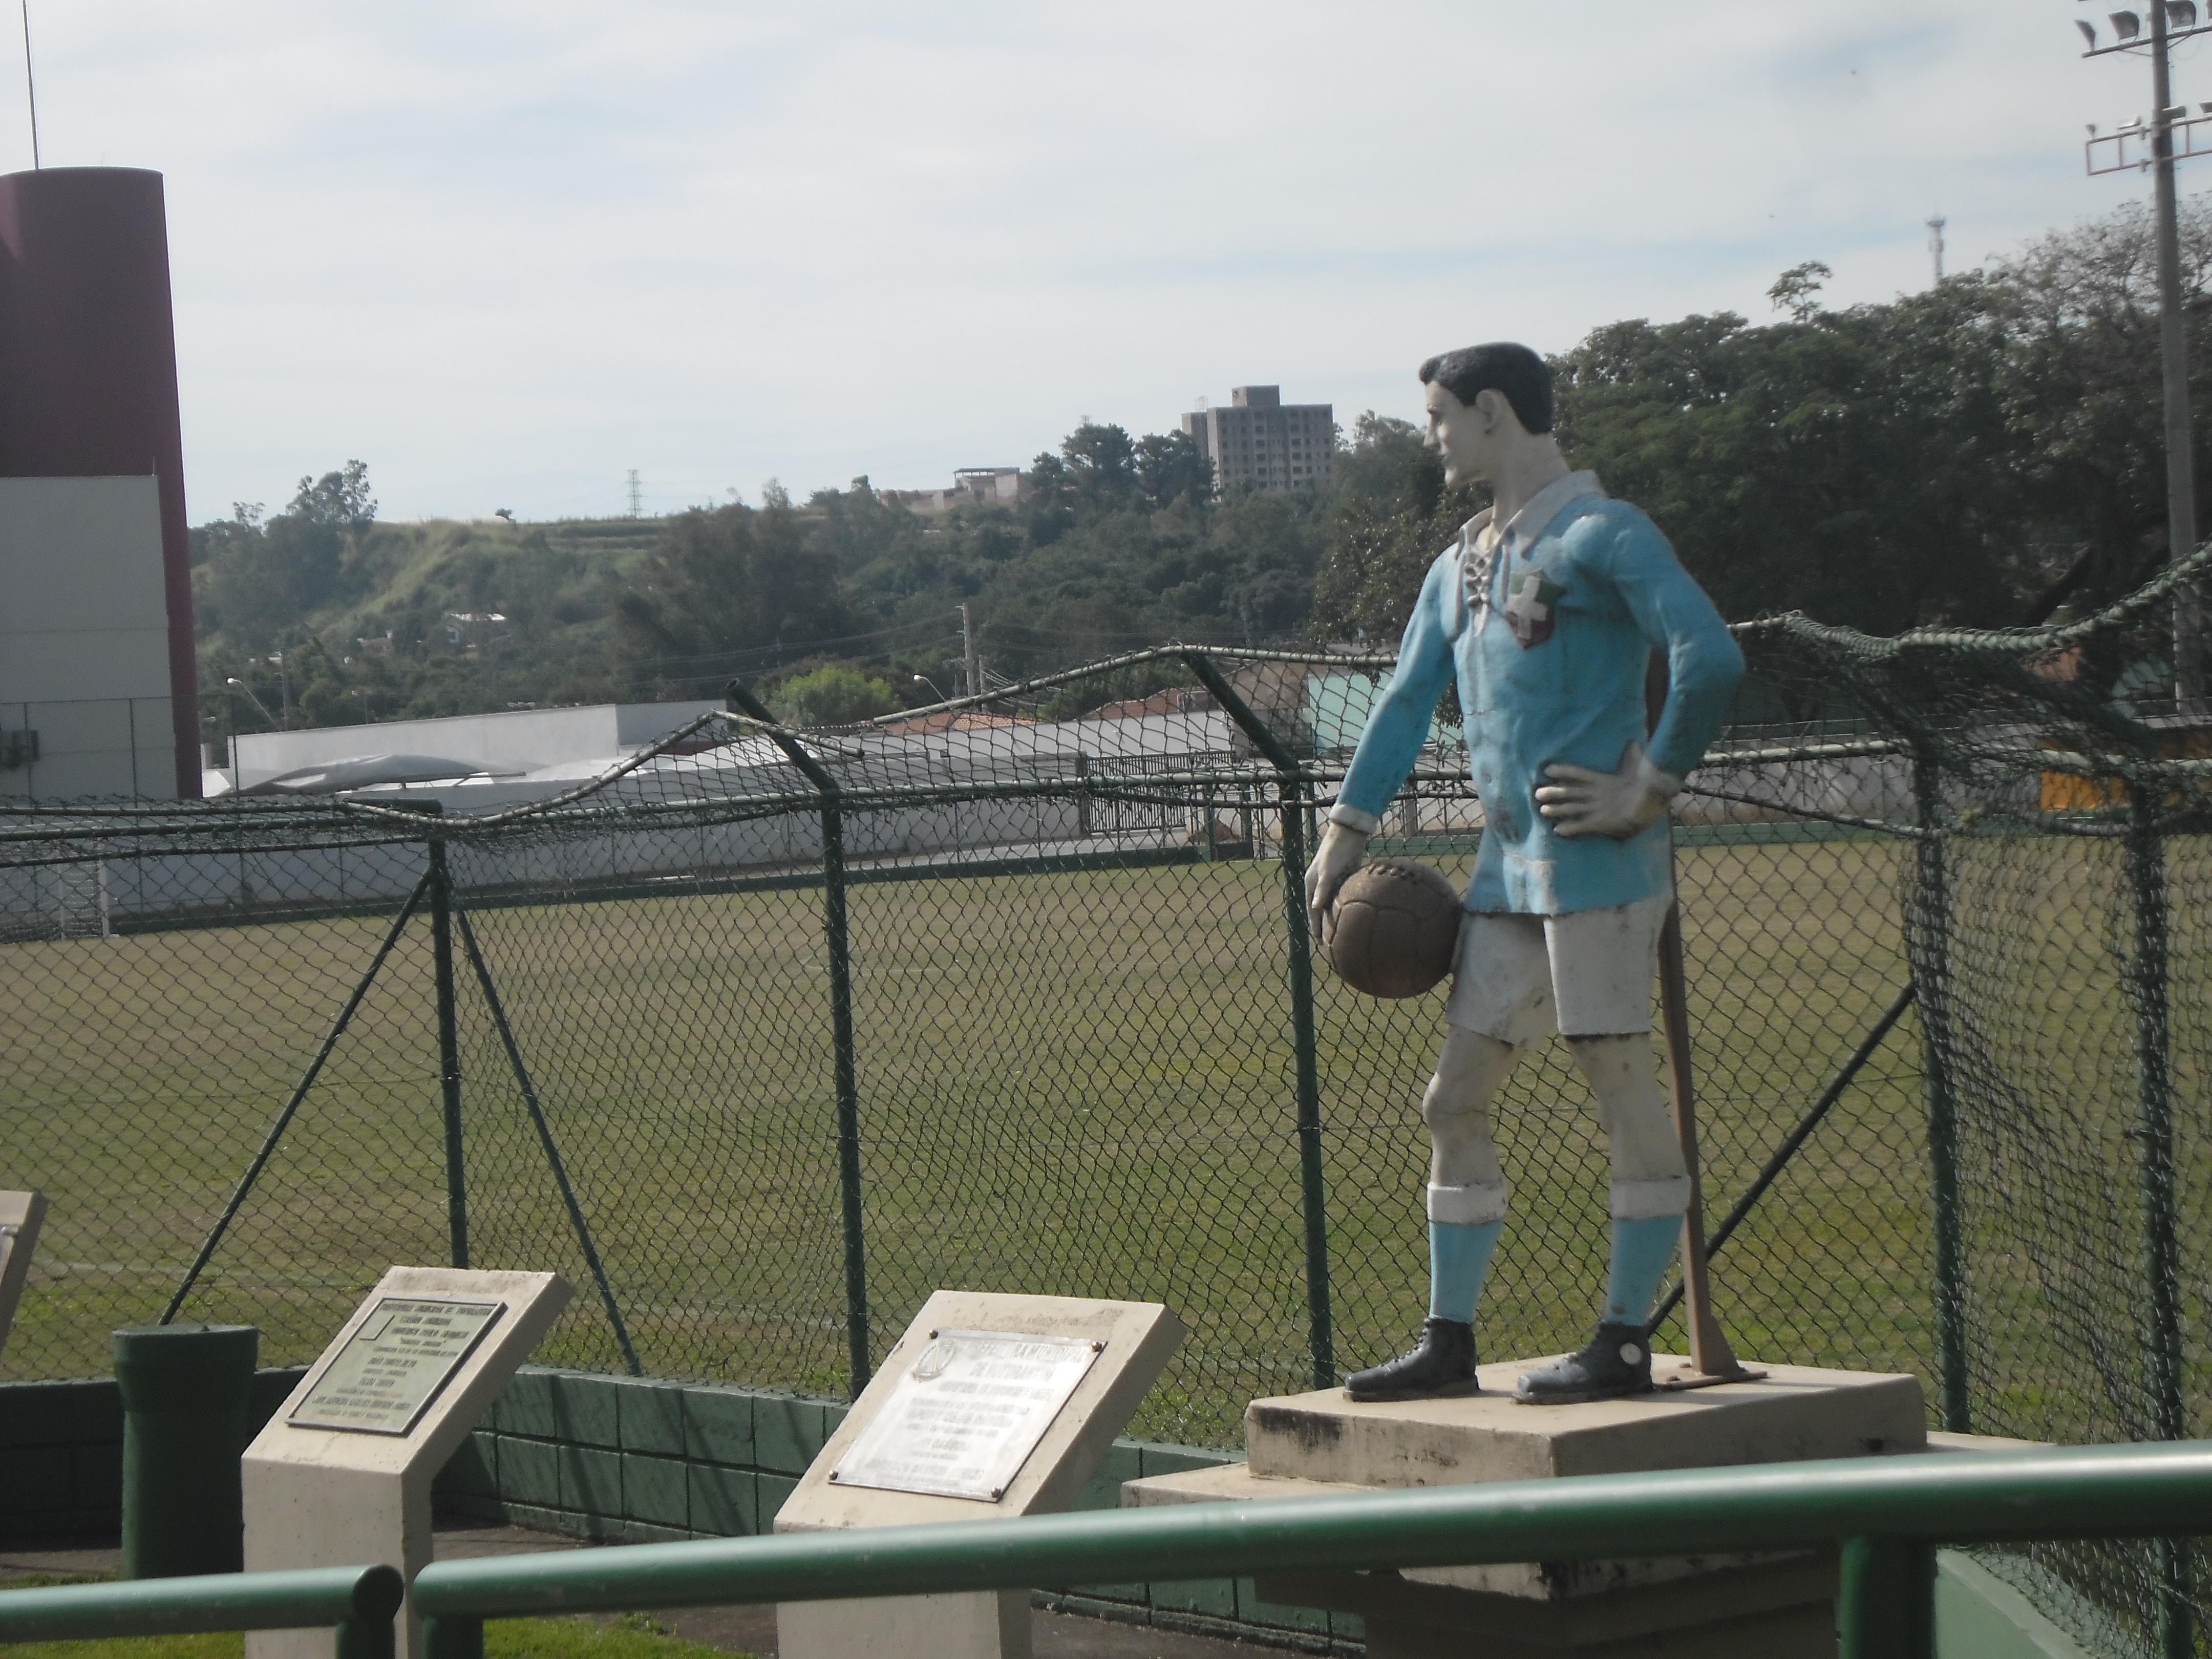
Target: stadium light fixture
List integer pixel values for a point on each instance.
(2088, 33)
(2181, 14)
(2127, 24)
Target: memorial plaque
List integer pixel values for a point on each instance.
(342, 1473)
(391, 1368)
(968, 1413)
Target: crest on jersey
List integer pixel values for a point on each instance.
(1532, 607)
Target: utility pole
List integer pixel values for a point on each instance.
(31, 87)
(2180, 469)
(968, 653)
(2170, 19)
(1935, 242)
(284, 683)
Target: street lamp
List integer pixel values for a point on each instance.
(255, 701)
(924, 679)
(2170, 21)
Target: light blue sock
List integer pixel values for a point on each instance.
(1459, 1261)
(1642, 1252)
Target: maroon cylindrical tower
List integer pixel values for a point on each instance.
(88, 367)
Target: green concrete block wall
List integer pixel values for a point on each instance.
(61, 1455)
(620, 1461)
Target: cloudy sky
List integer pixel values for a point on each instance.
(506, 252)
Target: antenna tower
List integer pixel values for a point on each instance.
(636, 497)
(1935, 242)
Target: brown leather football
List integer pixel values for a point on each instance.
(1393, 929)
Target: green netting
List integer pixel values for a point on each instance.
(1942, 899)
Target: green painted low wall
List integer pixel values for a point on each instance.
(61, 1455)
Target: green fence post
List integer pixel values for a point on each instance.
(1314, 1194)
(2146, 973)
(368, 1637)
(840, 1021)
(187, 1394)
(449, 1636)
(367, 1631)
(449, 1052)
(1885, 1601)
(1928, 937)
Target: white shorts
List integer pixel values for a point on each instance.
(1595, 968)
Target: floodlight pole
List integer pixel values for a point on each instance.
(2180, 469)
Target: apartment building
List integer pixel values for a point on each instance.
(1258, 439)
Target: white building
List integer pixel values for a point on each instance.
(984, 486)
(545, 749)
(85, 706)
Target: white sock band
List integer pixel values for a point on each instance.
(1643, 1201)
(1474, 1205)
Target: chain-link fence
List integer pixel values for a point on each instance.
(765, 1037)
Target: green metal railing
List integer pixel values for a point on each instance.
(360, 1601)
(1887, 1514)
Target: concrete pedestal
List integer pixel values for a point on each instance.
(1134, 1341)
(319, 1497)
(20, 1216)
(1717, 1607)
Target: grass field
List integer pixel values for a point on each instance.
(1083, 1084)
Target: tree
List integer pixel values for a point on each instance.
(832, 695)
(338, 500)
(1392, 516)
(1169, 468)
(1856, 466)
(724, 580)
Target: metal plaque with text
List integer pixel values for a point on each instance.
(968, 1413)
(393, 1364)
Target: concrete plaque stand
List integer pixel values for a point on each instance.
(1137, 1338)
(1773, 1606)
(20, 1216)
(331, 1497)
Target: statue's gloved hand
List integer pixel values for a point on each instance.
(1619, 804)
(1341, 849)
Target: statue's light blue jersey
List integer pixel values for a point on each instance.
(1552, 669)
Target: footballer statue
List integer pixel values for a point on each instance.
(1544, 611)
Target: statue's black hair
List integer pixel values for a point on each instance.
(1499, 366)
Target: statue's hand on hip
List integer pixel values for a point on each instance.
(1341, 849)
(1621, 803)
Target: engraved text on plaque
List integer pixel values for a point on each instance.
(393, 1365)
(964, 1418)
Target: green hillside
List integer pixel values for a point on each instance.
(1982, 453)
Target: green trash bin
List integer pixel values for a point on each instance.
(187, 1398)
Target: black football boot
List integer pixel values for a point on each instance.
(1442, 1367)
(1616, 1361)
